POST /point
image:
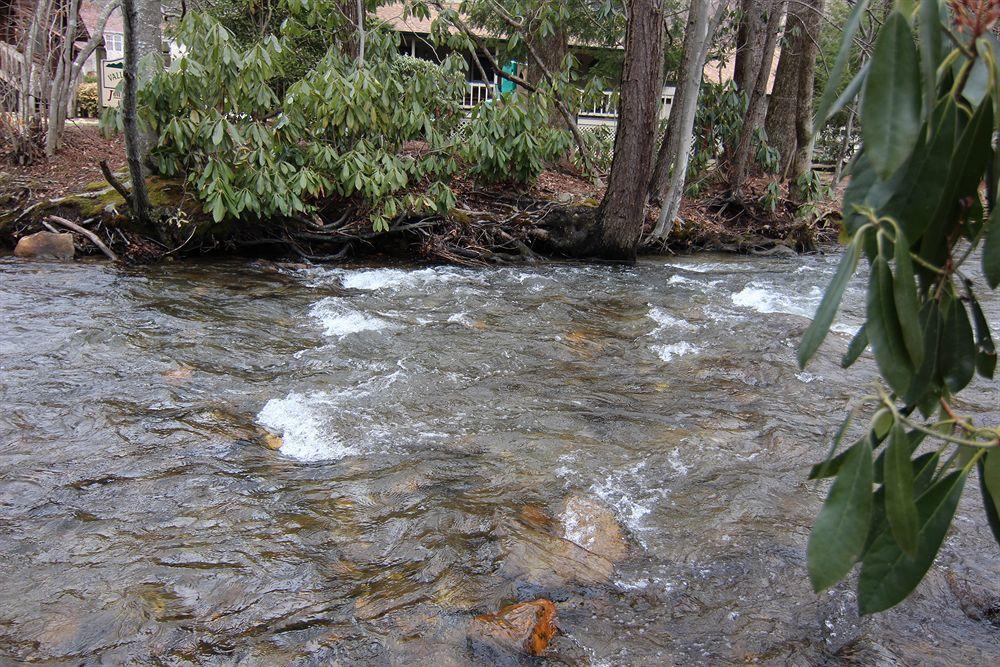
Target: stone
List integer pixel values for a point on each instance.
(526, 627)
(541, 558)
(590, 524)
(273, 442)
(45, 245)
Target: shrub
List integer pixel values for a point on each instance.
(336, 133)
(509, 139)
(87, 102)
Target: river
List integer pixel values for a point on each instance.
(422, 410)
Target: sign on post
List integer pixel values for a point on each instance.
(111, 75)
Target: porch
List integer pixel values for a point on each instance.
(603, 113)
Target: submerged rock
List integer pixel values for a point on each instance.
(591, 525)
(526, 626)
(536, 553)
(45, 245)
(273, 442)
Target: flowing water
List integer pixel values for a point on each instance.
(423, 411)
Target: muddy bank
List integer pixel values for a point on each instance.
(487, 226)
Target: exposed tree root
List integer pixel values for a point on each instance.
(486, 227)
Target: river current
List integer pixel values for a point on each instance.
(144, 521)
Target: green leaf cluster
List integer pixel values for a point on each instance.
(915, 213)
(509, 140)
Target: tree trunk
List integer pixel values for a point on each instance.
(552, 51)
(136, 144)
(670, 175)
(740, 165)
(782, 106)
(350, 42)
(148, 46)
(620, 216)
(802, 162)
(750, 38)
(689, 73)
(789, 110)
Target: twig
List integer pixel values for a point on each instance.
(85, 232)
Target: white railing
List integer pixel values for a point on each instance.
(604, 109)
(607, 105)
(476, 92)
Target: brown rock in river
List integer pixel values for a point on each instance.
(591, 525)
(540, 557)
(526, 626)
(45, 245)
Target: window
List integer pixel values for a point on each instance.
(114, 42)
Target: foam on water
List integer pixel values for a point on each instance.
(671, 351)
(339, 320)
(463, 319)
(377, 279)
(765, 298)
(304, 437)
(580, 533)
(615, 490)
(665, 320)
(675, 461)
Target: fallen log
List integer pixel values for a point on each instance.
(85, 232)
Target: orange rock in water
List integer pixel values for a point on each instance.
(525, 626)
(273, 442)
(45, 245)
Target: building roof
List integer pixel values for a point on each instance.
(393, 15)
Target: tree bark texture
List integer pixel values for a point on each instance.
(789, 109)
(620, 216)
(670, 174)
(757, 107)
(750, 38)
(136, 145)
(802, 161)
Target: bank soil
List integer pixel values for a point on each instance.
(488, 225)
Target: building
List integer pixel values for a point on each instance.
(415, 41)
(114, 33)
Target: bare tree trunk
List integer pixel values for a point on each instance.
(750, 37)
(757, 107)
(620, 216)
(845, 146)
(31, 82)
(59, 89)
(802, 162)
(670, 174)
(789, 111)
(782, 106)
(148, 44)
(694, 33)
(350, 44)
(135, 143)
(552, 51)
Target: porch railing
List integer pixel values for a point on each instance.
(476, 92)
(606, 107)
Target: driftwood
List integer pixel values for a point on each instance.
(85, 232)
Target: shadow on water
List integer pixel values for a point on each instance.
(424, 414)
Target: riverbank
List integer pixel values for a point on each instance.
(487, 225)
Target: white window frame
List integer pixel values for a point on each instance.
(114, 42)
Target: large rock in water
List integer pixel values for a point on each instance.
(45, 245)
(581, 545)
(526, 626)
(591, 525)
